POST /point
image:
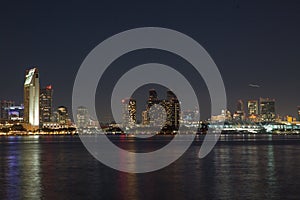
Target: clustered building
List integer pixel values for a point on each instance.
(262, 110)
(37, 111)
(163, 113)
(257, 111)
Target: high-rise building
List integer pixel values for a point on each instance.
(252, 107)
(129, 112)
(298, 109)
(4, 106)
(62, 116)
(145, 117)
(32, 97)
(152, 98)
(46, 104)
(173, 110)
(165, 112)
(239, 113)
(267, 109)
(82, 117)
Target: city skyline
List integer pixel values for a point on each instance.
(45, 101)
(254, 43)
(150, 99)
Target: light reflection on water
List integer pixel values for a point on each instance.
(51, 167)
(22, 163)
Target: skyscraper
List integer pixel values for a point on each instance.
(46, 104)
(252, 107)
(145, 117)
(82, 117)
(129, 112)
(31, 97)
(239, 113)
(173, 110)
(298, 109)
(267, 109)
(152, 98)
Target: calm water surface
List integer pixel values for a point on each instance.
(239, 167)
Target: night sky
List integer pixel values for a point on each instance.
(250, 41)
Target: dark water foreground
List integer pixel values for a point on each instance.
(239, 167)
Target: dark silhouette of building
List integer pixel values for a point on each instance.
(4, 108)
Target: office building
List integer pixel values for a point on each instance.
(267, 110)
(31, 98)
(152, 98)
(239, 113)
(4, 105)
(252, 107)
(46, 104)
(62, 115)
(129, 112)
(82, 116)
(173, 110)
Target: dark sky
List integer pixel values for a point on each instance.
(250, 41)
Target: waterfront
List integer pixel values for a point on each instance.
(240, 166)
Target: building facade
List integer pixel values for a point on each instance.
(62, 116)
(267, 110)
(239, 113)
(4, 109)
(46, 104)
(252, 107)
(82, 116)
(129, 112)
(32, 98)
(16, 113)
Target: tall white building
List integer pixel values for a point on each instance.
(31, 97)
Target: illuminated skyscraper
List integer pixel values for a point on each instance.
(252, 107)
(32, 97)
(173, 110)
(298, 109)
(82, 117)
(46, 104)
(129, 112)
(267, 109)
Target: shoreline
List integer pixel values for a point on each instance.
(133, 135)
